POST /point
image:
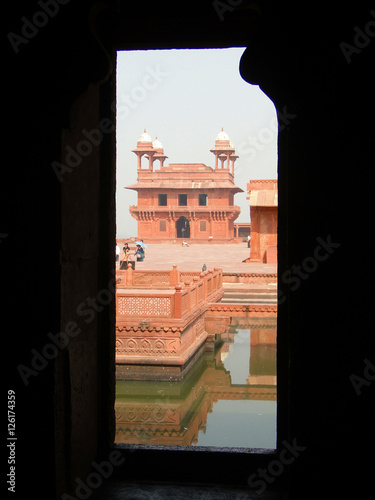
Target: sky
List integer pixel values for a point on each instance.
(184, 98)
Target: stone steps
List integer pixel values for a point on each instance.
(249, 297)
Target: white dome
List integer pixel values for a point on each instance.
(222, 136)
(157, 144)
(144, 137)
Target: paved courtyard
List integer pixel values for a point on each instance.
(228, 257)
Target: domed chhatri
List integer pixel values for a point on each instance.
(159, 152)
(158, 145)
(224, 151)
(152, 150)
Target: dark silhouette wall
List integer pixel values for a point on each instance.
(316, 64)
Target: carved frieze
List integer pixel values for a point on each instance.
(144, 306)
(127, 413)
(147, 346)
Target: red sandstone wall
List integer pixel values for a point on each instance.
(263, 234)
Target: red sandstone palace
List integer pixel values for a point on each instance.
(189, 201)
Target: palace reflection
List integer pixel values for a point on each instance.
(227, 398)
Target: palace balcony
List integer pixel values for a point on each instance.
(176, 209)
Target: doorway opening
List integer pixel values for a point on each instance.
(183, 228)
(220, 198)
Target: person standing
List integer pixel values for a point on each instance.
(125, 258)
(143, 253)
(117, 255)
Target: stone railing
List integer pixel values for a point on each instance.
(172, 299)
(145, 279)
(163, 279)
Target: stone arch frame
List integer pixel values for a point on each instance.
(160, 461)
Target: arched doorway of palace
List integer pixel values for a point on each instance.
(183, 227)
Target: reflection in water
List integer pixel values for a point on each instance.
(228, 398)
(250, 424)
(236, 361)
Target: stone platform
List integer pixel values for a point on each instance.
(236, 273)
(227, 257)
